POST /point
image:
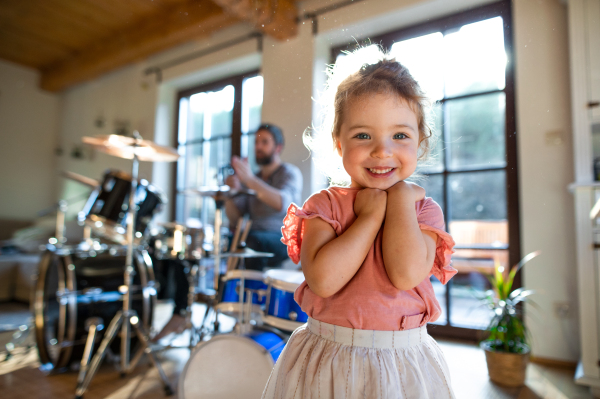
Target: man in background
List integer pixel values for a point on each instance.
(277, 184)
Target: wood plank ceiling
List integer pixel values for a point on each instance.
(72, 41)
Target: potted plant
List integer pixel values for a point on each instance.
(506, 348)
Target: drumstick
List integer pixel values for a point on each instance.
(243, 239)
(234, 243)
(87, 181)
(246, 230)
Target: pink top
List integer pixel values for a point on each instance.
(369, 301)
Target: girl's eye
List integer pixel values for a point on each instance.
(362, 136)
(400, 136)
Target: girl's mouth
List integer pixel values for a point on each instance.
(380, 172)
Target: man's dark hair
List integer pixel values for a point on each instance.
(275, 132)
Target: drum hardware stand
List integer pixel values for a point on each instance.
(59, 233)
(92, 326)
(87, 235)
(127, 317)
(191, 276)
(60, 222)
(197, 334)
(220, 199)
(220, 204)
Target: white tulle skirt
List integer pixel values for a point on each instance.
(331, 362)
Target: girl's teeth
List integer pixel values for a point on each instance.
(380, 171)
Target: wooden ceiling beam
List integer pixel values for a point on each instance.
(179, 24)
(276, 18)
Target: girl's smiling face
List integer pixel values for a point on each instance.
(378, 141)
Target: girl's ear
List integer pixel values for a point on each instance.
(338, 147)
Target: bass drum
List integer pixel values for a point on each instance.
(231, 366)
(73, 286)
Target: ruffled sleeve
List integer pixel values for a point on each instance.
(431, 218)
(317, 206)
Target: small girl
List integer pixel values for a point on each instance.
(367, 251)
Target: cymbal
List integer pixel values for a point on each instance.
(213, 191)
(80, 178)
(178, 226)
(244, 253)
(127, 147)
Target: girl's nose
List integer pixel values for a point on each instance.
(381, 150)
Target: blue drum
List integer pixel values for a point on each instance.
(246, 360)
(282, 311)
(251, 280)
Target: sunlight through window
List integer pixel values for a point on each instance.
(474, 59)
(422, 56)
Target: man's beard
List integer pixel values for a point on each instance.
(265, 160)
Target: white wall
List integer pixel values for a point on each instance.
(120, 97)
(290, 68)
(287, 95)
(28, 134)
(545, 170)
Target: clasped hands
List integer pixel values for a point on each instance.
(372, 202)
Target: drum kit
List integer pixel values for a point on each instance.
(81, 287)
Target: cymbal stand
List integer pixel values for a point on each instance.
(245, 303)
(127, 317)
(92, 326)
(60, 222)
(219, 205)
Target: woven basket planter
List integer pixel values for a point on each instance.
(505, 368)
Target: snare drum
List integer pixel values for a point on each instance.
(177, 241)
(106, 209)
(230, 301)
(282, 311)
(230, 366)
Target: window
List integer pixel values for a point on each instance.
(216, 121)
(461, 61)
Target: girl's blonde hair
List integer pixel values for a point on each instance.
(344, 84)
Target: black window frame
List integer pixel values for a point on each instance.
(445, 24)
(236, 123)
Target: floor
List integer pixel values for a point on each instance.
(20, 377)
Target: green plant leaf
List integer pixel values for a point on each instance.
(507, 330)
(522, 296)
(517, 267)
(526, 259)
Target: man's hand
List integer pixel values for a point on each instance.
(233, 182)
(407, 190)
(371, 202)
(242, 169)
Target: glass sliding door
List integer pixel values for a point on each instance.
(462, 63)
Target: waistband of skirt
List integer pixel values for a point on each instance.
(368, 338)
